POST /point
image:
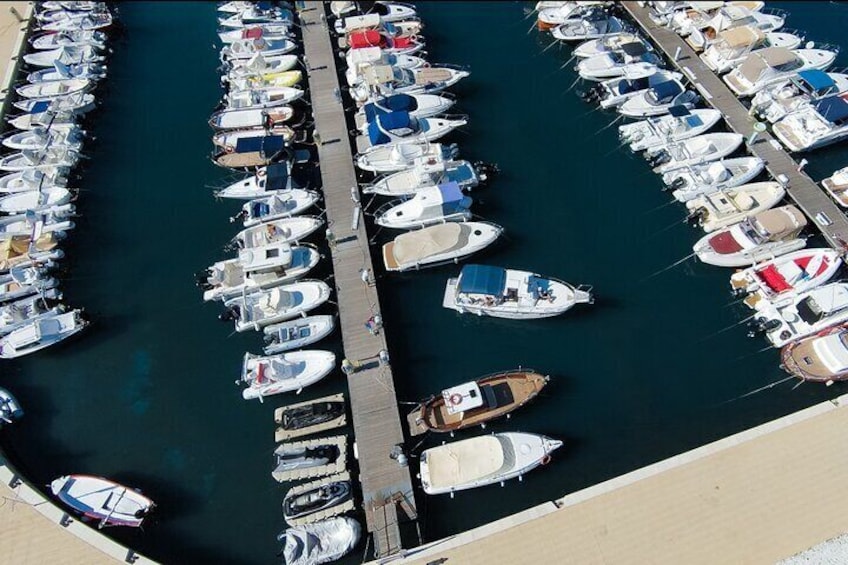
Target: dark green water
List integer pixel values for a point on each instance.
(146, 396)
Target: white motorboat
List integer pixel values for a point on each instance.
(49, 40)
(607, 44)
(818, 124)
(393, 158)
(35, 200)
(805, 314)
(677, 125)
(798, 92)
(756, 238)
(289, 230)
(350, 24)
(54, 88)
(383, 80)
(711, 177)
(258, 269)
(60, 71)
(616, 91)
(229, 140)
(259, 65)
(266, 80)
(658, 100)
(78, 103)
(88, 22)
(836, 184)
(399, 127)
(320, 542)
(73, 5)
(266, 307)
(10, 408)
(393, 11)
(255, 15)
(40, 159)
(433, 205)
(483, 460)
(593, 26)
(295, 334)
(417, 105)
(778, 280)
(360, 59)
(270, 31)
(54, 219)
(731, 205)
(234, 6)
(281, 204)
(820, 358)
(733, 17)
(426, 173)
(397, 45)
(439, 244)
(770, 66)
(247, 48)
(24, 311)
(33, 179)
(40, 333)
(510, 293)
(569, 12)
(284, 372)
(688, 16)
(264, 182)
(39, 139)
(108, 502)
(26, 250)
(732, 46)
(262, 97)
(251, 118)
(66, 55)
(696, 150)
(632, 61)
(23, 281)
(43, 120)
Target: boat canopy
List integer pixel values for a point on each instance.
(817, 80)
(665, 91)
(360, 39)
(460, 398)
(420, 244)
(780, 222)
(452, 197)
(834, 109)
(392, 123)
(393, 103)
(634, 48)
(742, 36)
(277, 176)
(467, 461)
(266, 144)
(39, 107)
(482, 279)
(771, 57)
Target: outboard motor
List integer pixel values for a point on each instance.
(696, 216)
(678, 183)
(201, 276)
(240, 216)
(229, 314)
(659, 158)
(485, 171)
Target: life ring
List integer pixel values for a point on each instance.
(456, 399)
(229, 148)
(546, 459)
(261, 173)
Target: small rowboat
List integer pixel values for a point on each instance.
(477, 402)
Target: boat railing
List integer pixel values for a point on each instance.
(388, 206)
(800, 33)
(771, 11)
(454, 117)
(451, 66)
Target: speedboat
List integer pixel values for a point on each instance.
(267, 97)
(247, 48)
(778, 280)
(251, 118)
(61, 71)
(40, 333)
(593, 26)
(391, 11)
(23, 250)
(416, 105)
(107, 502)
(837, 185)
(476, 402)
(320, 542)
(393, 158)
(86, 22)
(439, 244)
(816, 125)
(39, 159)
(256, 15)
(433, 205)
(726, 207)
(28, 121)
(33, 179)
(66, 55)
(259, 65)
(400, 127)
(297, 333)
(10, 408)
(265, 80)
(268, 31)
(406, 27)
(40, 138)
(35, 200)
(632, 61)
(24, 281)
(679, 124)
(773, 65)
(658, 99)
(258, 269)
(360, 59)
(287, 230)
(684, 17)
(483, 460)
(693, 151)
(731, 46)
(319, 499)
(306, 459)
(819, 358)
(550, 16)
(54, 88)
(54, 219)
(48, 40)
(509, 293)
(805, 314)
(757, 238)
(305, 417)
(266, 307)
(711, 177)
(281, 204)
(730, 17)
(609, 44)
(383, 80)
(399, 45)
(284, 372)
(426, 173)
(78, 103)
(264, 182)
(24, 311)
(616, 91)
(73, 5)
(798, 92)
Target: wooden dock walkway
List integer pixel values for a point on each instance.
(813, 200)
(374, 408)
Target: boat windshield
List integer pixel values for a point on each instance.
(750, 231)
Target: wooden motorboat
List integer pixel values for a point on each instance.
(476, 402)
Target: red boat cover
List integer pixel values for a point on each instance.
(403, 42)
(361, 39)
(724, 243)
(772, 277)
(252, 33)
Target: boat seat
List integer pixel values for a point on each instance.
(745, 201)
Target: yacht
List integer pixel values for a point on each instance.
(773, 65)
(550, 17)
(697, 150)
(383, 80)
(509, 293)
(819, 124)
(264, 31)
(417, 105)
(759, 237)
(658, 100)
(731, 205)
(679, 124)
(393, 158)
(266, 307)
(288, 230)
(284, 372)
(633, 60)
(710, 177)
(259, 65)
(400, 127)
(107, 502)
(798, 92)
(396, 45)
(438, 244)
(609, 44)
(280, 204)
(617, 91)
(820, 358)
(483, 460)
(690, 16)
(425, 173)
(297, 333)
(247, 48)
(320, 542)
(251, 118)
(805, 314)
(265, 181)
(731, 46)
(40, 333)
(432, 205)
(837, 185)
(267, 97)
(733, 17)
(594, 25)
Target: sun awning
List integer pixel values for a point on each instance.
(666, 90)
(266, 144)
(482, 279)
(634, 48)
(394, 103)
(816, 79)
(834, 109)
(277, 176)
(740, 36)
(378, 130)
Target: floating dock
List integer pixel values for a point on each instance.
(812, 199)
(386, 483)
(338, 466)
(282, 435)
(323, 514)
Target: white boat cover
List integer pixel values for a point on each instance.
(414, 246)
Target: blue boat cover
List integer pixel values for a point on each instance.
(386, 123)
(39, 107)
(452, 198)
(679, 111)
(462, 175)
(626, 86)
(482, 279)
(267, 144)
(816, 79)
(394, 103)
(277, 176)
(666, 90)
(538, 286)
(834, 109)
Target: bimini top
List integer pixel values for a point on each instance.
(740, 36)
(396, 123)
(666, 90)
(482, 279)
(834, 109)
(817, 80)
(393, 103)
(277, 176)
(780, 221)
(772, 57)
(267, 144)
(634, 48)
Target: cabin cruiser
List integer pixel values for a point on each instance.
(805, 314)
(509, 293)
(594, 26)
(658, 99)
(280, 204)
(732, 46)
(821, 123)
(483, 460)
(53, 88)
(426, 173)
(320, 542)
(24, 281)
(383, 80)
(609, 44)
(247, 48)
(432, 205)
(10, 408)
(360, 59)
(710, 177)
(107, 502)
(39, 139)
(256, 15)
(298, 333)
(40, 333)
(267, 97)
(616, 91)
(837, 185)
(776, 102)
(48, 158)
(439, 244)
(632, 61)
(759, 237)
(66, 55)
(551, 15)
(266, 307)
(60, 71)
(773, 65)
(24, 311)
(697, 15)
(778, 280)
(47, 40)
(33, 180)
(679, 124)
(268, 31)
(251, 118)
(287, 230)
(393, 158)
(229, 140)
(703, 34)
(820, 358)
(319, 499)
(416, 105)
(78, 103)
(476, 402)
(396, 28)
(400, 127)
(396, 45)
(726, 207)
(284, 372)
(697, 150)
(264, 182)
(259, 65)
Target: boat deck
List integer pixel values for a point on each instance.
(339, 466)
(329, 512)
(283, 435)
(373, 402)
(809, 197)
